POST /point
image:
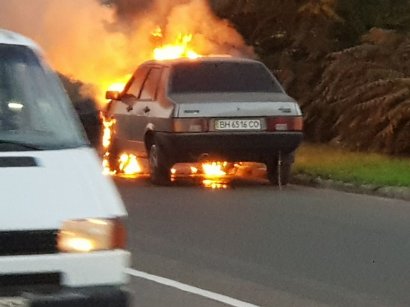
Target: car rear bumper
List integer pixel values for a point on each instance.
(258, 147)
(102, 296)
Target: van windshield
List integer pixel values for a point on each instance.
(34, 109)
(220, 76)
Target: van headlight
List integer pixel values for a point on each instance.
(82, 236)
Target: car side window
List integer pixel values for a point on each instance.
(138, 80)
(150, 86)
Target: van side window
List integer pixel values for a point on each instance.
(149, 89)
(138, 80)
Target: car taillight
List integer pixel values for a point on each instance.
(285, 123)
(190, 125)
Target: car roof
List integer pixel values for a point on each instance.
(12, 38)
(204, 59)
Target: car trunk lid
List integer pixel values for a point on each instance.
(234, 105)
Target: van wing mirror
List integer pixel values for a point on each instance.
(113, 95)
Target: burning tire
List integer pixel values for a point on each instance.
(159, 168)
(113, 157)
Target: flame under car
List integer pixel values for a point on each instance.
(221, 108)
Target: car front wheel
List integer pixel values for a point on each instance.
(159, 168)
(113, 157)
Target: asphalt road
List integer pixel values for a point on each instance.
(295, 247)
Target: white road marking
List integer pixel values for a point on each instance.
(187, 288)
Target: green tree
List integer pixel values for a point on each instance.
(360, 16)
(363, 99)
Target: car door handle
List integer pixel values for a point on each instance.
(130, 108)
(146, 110)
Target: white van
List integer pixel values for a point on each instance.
(62, 239)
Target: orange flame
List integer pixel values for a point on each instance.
(214, 173)
(117, 86)
(157, 32)
(214, 185)
(106, 165)
(214, 169)
(108, 125)
(129, 165)
(179, 49)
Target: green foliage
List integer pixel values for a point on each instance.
(262, 24)
(334, 163)
(363, 99)
(85, 106)
(361, 16)
(357, 97)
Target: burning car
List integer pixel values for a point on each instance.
(208, 108)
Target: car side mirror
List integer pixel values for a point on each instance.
(113, 95)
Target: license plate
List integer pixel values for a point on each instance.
(14, 302)
(238, 124)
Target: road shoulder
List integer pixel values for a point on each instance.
(369, 189)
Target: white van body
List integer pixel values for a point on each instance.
(60, 192)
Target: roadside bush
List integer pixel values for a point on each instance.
(86, 108)
(357, 97)
(363, 99)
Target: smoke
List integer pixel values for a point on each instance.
(211, 34)
(127, 10)
(102, 41)
(73, 35)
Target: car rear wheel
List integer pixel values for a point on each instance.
(159, 168)
(279, 174)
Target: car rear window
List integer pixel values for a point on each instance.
(207, 77)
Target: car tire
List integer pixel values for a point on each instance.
(272, 171)
(114, 156)
(159, 168)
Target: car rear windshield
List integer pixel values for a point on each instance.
(34, 109)
(208, 77)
